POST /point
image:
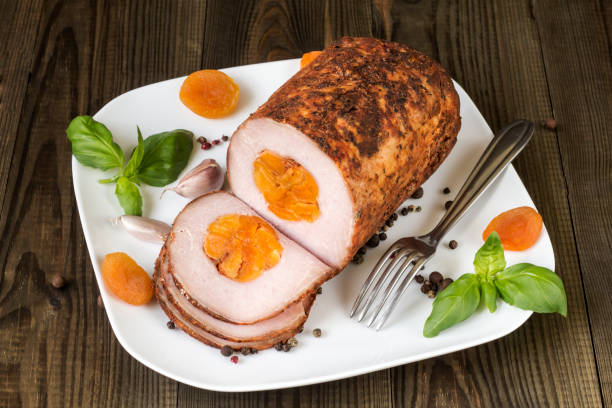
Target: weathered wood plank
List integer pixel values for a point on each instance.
(493, 50)
(577, 58)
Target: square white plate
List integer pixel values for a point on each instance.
(346, 347)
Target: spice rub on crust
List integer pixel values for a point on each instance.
(386, 114)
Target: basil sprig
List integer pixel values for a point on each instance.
(522, 285)
(157, 160)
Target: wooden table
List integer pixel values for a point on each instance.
(533, 59)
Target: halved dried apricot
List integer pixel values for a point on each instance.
(308, 58)
(518, 229)
(128, 281)
(289, 189)
(210, 93)
(242, 246)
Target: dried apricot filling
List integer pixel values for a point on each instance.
(242, 246)
(288, 188)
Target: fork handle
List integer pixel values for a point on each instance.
(502, 149)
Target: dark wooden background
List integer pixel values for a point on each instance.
(517, 59)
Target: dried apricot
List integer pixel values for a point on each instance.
(128, 281)
(289, 189)
(210, 93)
(518, 229)
(242, 246)
(308, 58)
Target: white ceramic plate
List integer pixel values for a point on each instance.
(346, 347)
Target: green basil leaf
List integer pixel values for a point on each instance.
(490, 257)
(131, 168)
(129, 196)
(92, 144)
(165, 156)
(454, 304)
(489, 295)
(532, 287)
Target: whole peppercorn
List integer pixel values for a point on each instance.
(418, 193)
(58, 281)
(374, 241)
(225, 138)
(436, 277)
(385, 228)
(431, 294)
(357, 259)
(245, 351)
(453, 244)
(234, 359)
(448, 204)
(292, 342)
(418, 209)
(202, 140)
(419, 278)
(404, 211)
(382, 236)
(316, 332)
(319, 290)
(227, 351)
(394, 216)
(446, 190)
(362, 251)
(426, 287)
(206, 146)
(389, 223)
(286, 347)
(550, 123)
(444, 284)
(254, 351)
(410, 208)
(171, 325)
(278, 346)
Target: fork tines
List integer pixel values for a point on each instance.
(386, 283)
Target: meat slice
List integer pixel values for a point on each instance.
(369, 120)
(287, 321)
(296, 275)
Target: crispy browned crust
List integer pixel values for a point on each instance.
(300, 298)
(189, 318)
(386, 114)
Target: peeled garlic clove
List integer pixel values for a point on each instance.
(143, 228)
(204, 178)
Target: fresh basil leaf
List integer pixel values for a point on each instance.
(489, 295)
(131, 168)
(165, 156)
(454, 304)
(92, 144)
(490, 257)
(129, 196)
(532, 287)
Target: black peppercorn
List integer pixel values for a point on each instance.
(245, 351)
(170, 324)
(404, 211)
(418, 209)
(419, 278)
(436, 277)
(445, 283)
(202, 140)
(411, 208)
(225, 138)
(319, 290)
(448, 204)
(446, 190)
(286, 347)
(357, 259)
(226, 351)
(394, 217)
(418, 193)
(316, 332)
(426, 287)
(382, 236)
(374, 241)
(453, 244)
(362, 251)
(278, 346)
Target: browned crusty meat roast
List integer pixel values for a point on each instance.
(344, 142)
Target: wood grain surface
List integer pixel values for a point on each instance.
(532, 59)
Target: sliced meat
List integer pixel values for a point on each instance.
(369, 120)
(296, 275)
(287, 321)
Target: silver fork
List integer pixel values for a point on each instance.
(387, 282)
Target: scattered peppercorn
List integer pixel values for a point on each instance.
(453, 244)
(426, 287)
(245, 351)
(357, 259)
(254, 351)
(448, 204)
(316, 332)
(436, 277)
(382, 236)
(171, 325)
(419, 279)
(319, 290)
(374, 241)
(418, 193)
(394, 216)
(225, 138)
(206, 146)
(278, 346)
(216, 142)
(385, 228)
(389, 223)
(58, 281)
(227, 351)
(418, 209)
(234, 359)
(202, 140)
(550, 123)
(292, 342)
(404, 211)
(286, 347)
(100, 302)
(431, 294)
(445, 283)
(446, 190)
(362, 251)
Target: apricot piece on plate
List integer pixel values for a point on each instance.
(518, 229)
(210, 93)
(126, 279)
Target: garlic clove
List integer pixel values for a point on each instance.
(204, 178)
(143, 228)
